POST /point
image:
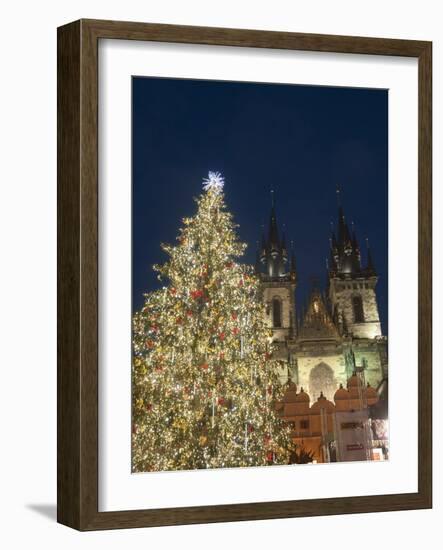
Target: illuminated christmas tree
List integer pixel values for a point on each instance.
(204, 382)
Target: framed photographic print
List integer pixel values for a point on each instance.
(244, 275)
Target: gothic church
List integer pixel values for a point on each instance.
(339, 332)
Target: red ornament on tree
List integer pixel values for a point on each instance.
(149, 407)
(195, 294)
(250, 428)
(173, 291)
(235, 330)
(221, 336)
(270, 456)
(220, 401)
(205, 366)
(234, 316)
(189, 313)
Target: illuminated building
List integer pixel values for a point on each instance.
(339, 331)
(337, 430)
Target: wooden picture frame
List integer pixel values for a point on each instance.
(77, 479)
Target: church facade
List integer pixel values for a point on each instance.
(339, 332)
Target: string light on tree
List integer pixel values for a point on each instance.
(197, 341)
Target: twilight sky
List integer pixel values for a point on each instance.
(300, 141)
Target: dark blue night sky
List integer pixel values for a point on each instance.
(301, 141)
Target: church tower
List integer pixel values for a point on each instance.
(277, 273)
(351, 285)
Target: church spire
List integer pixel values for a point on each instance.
(345, 250)
(273, 252)
(344, 237)
(273, 238)
(351, 285)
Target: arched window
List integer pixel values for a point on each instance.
(322, 379)
(357, 306)
(276, 312)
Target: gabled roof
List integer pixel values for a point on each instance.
(317, 323)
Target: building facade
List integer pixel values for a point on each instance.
(334, 430)
(339, 332)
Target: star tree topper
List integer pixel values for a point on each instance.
(215, 182)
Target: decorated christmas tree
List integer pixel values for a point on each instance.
(204, 383)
